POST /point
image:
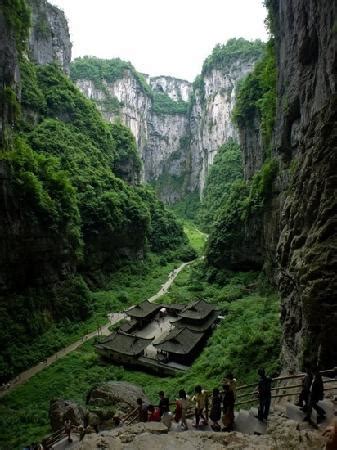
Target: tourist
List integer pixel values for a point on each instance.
(231, 381)
(142, 410)
(305, 392)
(181, 409)
(215, 414)
(199, 398)
(316, 394)
(67, 429)
(228, 402)
(153, 413)
(264, 394)
(164, 403)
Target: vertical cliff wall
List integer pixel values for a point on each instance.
(178, 126)
(295, 231)
(306, 143)
(49, 38)
(211, 122)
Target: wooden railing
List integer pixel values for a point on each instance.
(281, 390)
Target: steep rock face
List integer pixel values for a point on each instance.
(9, 74)
(252, 148)
(176, 149)
(165, 133)
(49, 39)
(211, 124)
(132, 105)
(175, 88)
(306, 134)
(158, 136)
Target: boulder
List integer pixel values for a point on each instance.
(120, 394)
(61, 410)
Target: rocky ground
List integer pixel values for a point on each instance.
(108, 399)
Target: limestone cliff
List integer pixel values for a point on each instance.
(177, 143)
(297, 232)
(306, 142)
(175, 88)
(49, 39)
(211, 124)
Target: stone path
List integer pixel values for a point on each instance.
(104, 330)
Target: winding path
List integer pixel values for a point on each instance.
(104, 330)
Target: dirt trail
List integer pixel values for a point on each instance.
(104, 330)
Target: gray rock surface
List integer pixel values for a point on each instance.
(176, 149)
(49, 39)
(61, 410)
(120, 394)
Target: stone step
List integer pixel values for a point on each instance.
(295, 413)
(244, 422)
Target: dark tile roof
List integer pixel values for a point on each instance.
(142, 310)
(197, 310)
(124, 343)
(180, 340)
(128, 326)
(203, 326)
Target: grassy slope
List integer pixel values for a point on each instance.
(244, 340)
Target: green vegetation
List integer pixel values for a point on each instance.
(257, 96)
(65, 166)
(163, 104)
(237, 48)
(244, 200)
(188, 207)
(17, 15)
(126, 151)
(100, 70)
(226, 168)
(247, 338)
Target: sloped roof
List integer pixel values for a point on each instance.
(127, 326)
(142, 310)
(197, 310)
(124, 343)
(205, 325)
(179, 340)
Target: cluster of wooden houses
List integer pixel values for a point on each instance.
(190, 327)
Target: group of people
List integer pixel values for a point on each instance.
(206, 406)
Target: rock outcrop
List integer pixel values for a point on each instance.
(62, 410)
(299, 223)
(176, 148)
(211, 124)
(175, 88)
(49, 38)
(306, 142)
(119, 394)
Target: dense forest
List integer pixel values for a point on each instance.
(244, 158)
(73, 187)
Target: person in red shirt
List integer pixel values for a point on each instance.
(153, 414)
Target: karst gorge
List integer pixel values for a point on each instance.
(119, 187)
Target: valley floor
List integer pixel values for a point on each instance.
(245, 339)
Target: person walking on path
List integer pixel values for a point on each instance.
(231, 381)
(215, 414)
(142, 410)
(228, 402)
(67, 429)
(316, 394)
(164, 403)
(264, 394)
(181, 408)
(303, 399)
(200, 400)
